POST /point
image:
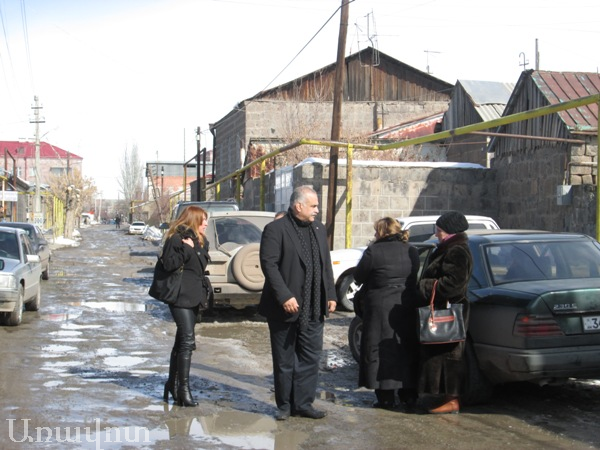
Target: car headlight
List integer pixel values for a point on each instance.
(8, 282)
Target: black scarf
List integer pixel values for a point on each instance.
(310, 308)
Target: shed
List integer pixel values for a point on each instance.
(546, 167)
(473, 102)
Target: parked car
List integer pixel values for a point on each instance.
(20, 275)
(39, 242)
(421, 228)
(535, 309)
(137, 227)
(209, 206)
(234, 268)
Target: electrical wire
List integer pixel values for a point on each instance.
(26, 37)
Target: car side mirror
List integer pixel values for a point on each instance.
(1, 264)
(33, 258)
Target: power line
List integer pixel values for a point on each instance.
(26, 37)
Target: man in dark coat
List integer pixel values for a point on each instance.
(442, 365)
(299, 292)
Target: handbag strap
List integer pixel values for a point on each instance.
(431, 318)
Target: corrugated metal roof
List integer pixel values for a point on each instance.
(487, 92)
(408, 130)
(559, 87)
(489, 98)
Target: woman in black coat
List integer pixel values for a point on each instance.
(442, 365)
(185, 245)
(389, 346)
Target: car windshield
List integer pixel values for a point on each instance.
(530, 261)
(236, 230)
(9, 247)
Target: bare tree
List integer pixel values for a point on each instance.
(132, 170)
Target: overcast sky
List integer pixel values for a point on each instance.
(111, 74)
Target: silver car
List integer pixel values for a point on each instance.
(39, 242)
(20, 275)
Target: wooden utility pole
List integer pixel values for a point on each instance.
(336, 123)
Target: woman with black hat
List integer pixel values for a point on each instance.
(442, 365)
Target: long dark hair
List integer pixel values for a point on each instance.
(190, 220)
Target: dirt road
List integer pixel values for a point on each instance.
(87, 371)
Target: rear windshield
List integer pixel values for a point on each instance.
(237, 230)
(542, 261)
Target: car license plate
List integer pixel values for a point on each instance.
(591, 323)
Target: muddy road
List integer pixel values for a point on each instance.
(87, 371)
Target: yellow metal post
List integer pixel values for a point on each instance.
(263, 166)
(349, 183)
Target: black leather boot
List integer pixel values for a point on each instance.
(171, 384)
(184, 396)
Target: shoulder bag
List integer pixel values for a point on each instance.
(441, 326)
(165, 285)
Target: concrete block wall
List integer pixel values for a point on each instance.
(392, 189)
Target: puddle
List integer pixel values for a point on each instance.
(60, 349)
(65, 333)
(75, 326)
(61, 317)
(116, 306)
(123, 362)
(106, 351)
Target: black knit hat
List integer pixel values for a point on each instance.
(452, 222)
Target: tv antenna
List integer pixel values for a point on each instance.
(428, 52)
(370, 37)
(525, 61)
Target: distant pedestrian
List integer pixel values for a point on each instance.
(280, 214)
(299, 292)
(389, 347)
(185, 245)
(118, 222)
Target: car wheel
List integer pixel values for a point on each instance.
(345, 292)
(246, 268)
(34, 305)
(354, 336)
(477, 388)
(46, 273)
(16, 316)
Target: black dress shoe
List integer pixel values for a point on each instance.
(282, 414)
(310, 413)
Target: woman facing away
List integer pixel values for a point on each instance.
(185, 245)
(442, 365)
(389, 346)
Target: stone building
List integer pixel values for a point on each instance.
(378, 91)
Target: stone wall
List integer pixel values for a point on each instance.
(529, 181)
(390, 189)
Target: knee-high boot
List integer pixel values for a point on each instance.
(184, 396)
(171, 384)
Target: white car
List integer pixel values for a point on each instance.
(137, 227)
(421, 228)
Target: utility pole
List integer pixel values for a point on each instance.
(198, 190)
(37, 217)
(336, 123)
